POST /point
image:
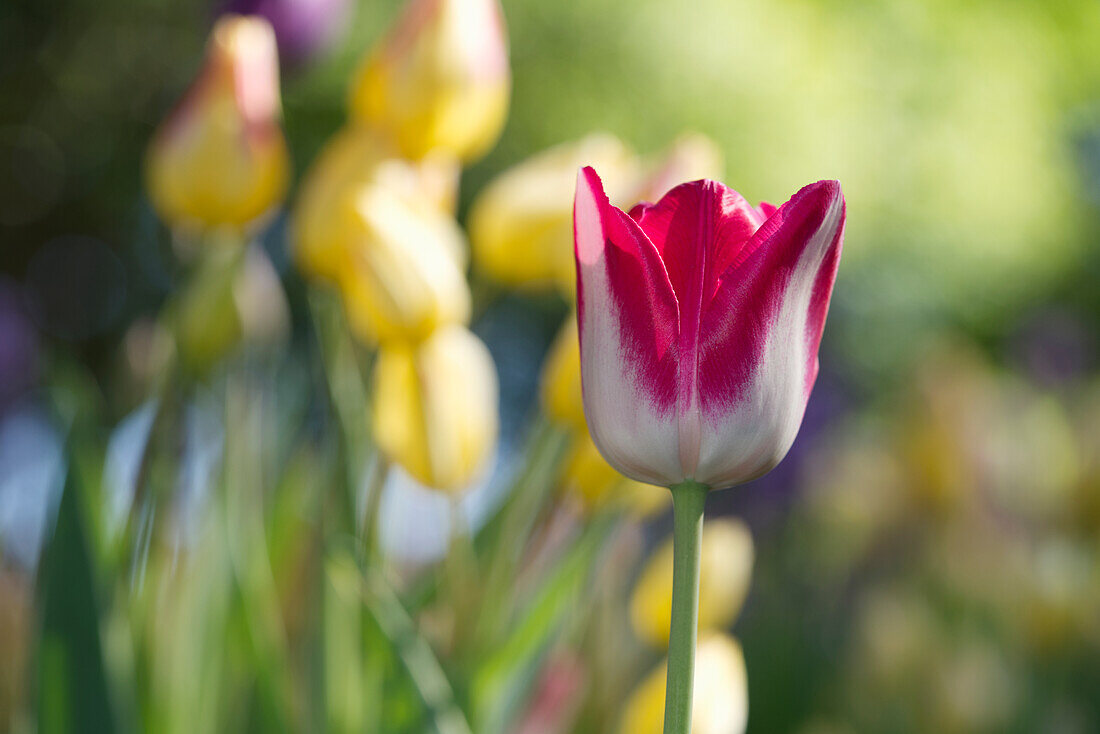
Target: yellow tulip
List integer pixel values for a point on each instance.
(357, 158)
(521, 225)
(725, 573)
(593, 481)
(561, 378)
(435, 406)
(403, 279)
(721, 701)
(439, 80)
(691, 157)
(220, 158)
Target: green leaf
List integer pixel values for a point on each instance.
(72, 684)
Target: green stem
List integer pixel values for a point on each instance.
(688, 501)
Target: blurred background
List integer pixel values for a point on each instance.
(182, 548)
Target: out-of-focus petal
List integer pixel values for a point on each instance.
(561, 378)
(402, 280)
(439, 80)
(220, 158)
(435, 407)
(521, 224)
(725, 571)
(721, 699)
(356, 159)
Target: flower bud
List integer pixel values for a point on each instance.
(220, 158)
(439, 80)
(521, 224)
(721, 700)
(724, 576)
(356, 159)
(435, 406)
(403, 279)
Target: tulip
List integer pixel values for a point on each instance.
(403, 278)
(439, 80)
(724, 576)
(355, 159)
(220, 158)
(700, 318)
(521, 225)
(721, 705)
(435, 406)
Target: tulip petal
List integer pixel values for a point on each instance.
(700, 229)
(760, 334)
(627, 310)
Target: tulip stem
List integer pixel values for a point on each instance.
(688, 501)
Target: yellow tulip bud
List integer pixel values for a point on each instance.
(403, 279)
(435, 406)
(724, 576)
(593, 481)
(220, 158)
(691, 157)
(721, 701)
(521, 225)
(439, 80)
(561, 378)
(354, 159)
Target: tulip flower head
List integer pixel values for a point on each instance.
(435, 406)
(439, 80)
(700, 318)
(354, 160)
(220, 158)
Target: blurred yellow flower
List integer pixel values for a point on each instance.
(721, 703)
(561, 378)
(404, 278)
(356, 158)
(219, 159)
(690, 157)
(521, 224)
(724, 576)
(439, 80)
(435, 406)
(592, 481)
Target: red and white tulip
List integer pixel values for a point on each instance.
(700, 318)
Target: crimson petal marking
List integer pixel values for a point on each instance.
(760, 336)
(628, 322)
(701, 229)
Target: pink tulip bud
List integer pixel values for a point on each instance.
(700, 319)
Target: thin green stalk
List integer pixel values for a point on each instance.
(688, 502)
